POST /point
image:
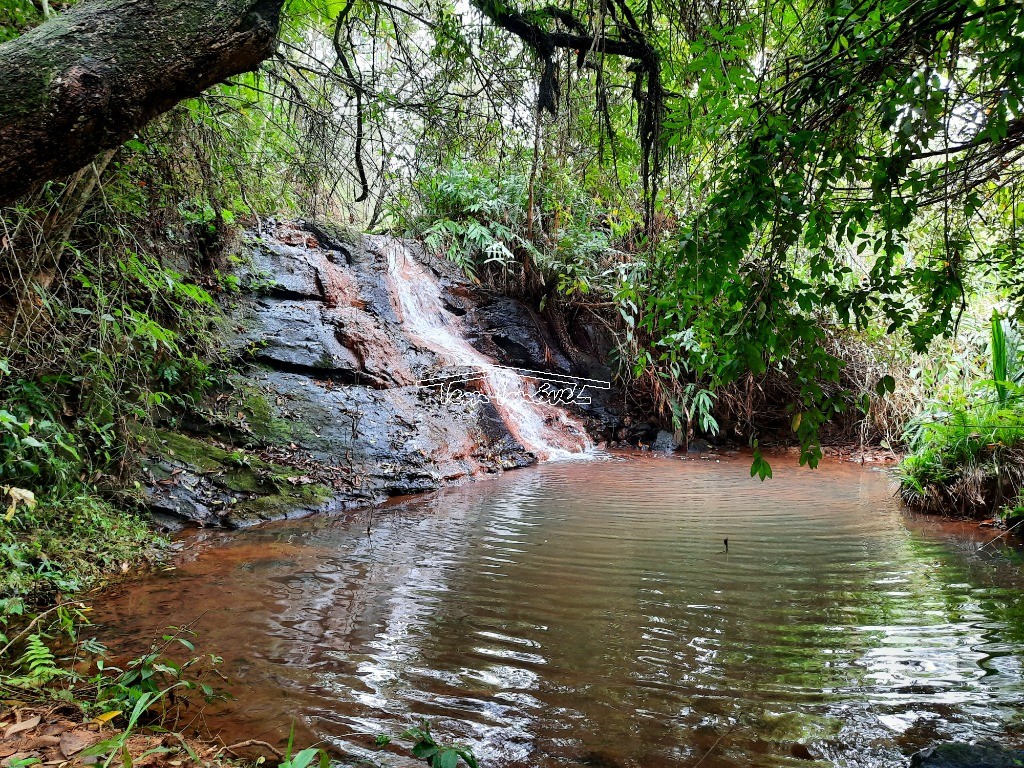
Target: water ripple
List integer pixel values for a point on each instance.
(589, 615)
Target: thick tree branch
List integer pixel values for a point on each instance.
(86, 80)
(544, 43)
(648, 92)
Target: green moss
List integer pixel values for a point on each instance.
(257, 406)
(242, 470)
(260, 417)
(71, 543)
(278, 505)
(264, 424)
(275, 488)
(335, 234)
(188, 450)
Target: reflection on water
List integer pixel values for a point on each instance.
(588, 614)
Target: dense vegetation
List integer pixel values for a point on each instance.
(785, 212)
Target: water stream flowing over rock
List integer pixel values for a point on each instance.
(547, 431)
(337, 339)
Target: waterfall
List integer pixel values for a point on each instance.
(545, 429)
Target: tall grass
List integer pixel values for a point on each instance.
(999, 356)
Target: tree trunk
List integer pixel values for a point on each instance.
(86, 80)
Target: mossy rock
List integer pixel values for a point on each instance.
(261, 420)
(247, 488)
(335, 236)
(186, 450)
(277, 506)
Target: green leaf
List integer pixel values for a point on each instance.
(424, 750)
(303, 759)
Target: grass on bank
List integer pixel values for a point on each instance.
(966, 446)
(65, 545)
(966, 459)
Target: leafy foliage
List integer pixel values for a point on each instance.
(475, 219)
(69, 542)
(965, 447)
(482, 220)
(840, 143)
(426, 748)
(38, 660)
(154, 688)
(17, 17)
(304, 757)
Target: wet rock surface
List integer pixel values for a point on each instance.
(521, 337)
(984, 754)
(325, 411)
(664, 442)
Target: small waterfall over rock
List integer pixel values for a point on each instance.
(333, 341)
(544, 429)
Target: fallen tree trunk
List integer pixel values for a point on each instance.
(86, 80)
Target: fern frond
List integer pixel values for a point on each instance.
(38, 660)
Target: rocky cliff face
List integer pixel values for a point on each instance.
(332, 337)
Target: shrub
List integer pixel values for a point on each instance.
(966, 446)
(480, 219)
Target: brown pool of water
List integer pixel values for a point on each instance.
(588, 614)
